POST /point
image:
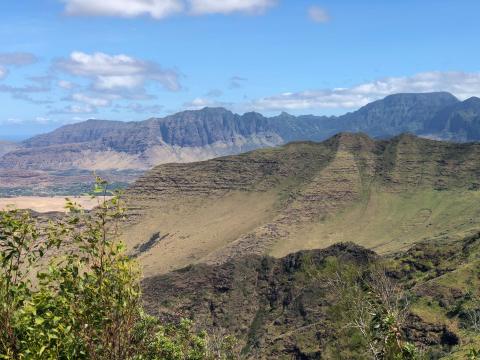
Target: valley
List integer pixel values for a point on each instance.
(239, 180)
(61, 162)
(250, 245)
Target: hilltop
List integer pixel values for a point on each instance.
(123, 150)
(382, 194)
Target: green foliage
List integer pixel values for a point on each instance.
(372, 305)
(68, 291)
(473, 354)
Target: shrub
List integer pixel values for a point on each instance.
(69, 291)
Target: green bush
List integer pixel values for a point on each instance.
(374, 307)
(69, 291)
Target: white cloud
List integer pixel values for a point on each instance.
(318, 14)
(42, 120)
(118, 72)
(461, 84)
(15, 121)
(200, 103)
(89, 100)
(200, 7)
(157, 9)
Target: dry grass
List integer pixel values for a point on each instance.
(45, 204)
(197, 228)
(203, 229)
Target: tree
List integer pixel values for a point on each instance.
(68, 290)
(375, 306)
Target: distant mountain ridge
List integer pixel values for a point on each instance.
(6, 147)
(196, 135)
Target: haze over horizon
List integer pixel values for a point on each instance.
(126, 60)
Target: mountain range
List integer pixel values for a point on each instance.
(125, 149)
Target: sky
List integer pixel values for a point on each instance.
(64, 61)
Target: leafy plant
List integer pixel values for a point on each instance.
(69, 291)
(376, 307)
(473, 354)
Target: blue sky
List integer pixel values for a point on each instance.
(63, 61)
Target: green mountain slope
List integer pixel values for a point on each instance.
(286, 308)
(385, 195)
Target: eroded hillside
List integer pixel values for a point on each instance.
(385, 195)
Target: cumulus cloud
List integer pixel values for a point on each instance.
(159, 9)
(118, 72)
(318, 14)
(200, 7)
(461, 84)
(90, 100)
(156, 9)
(17, 58)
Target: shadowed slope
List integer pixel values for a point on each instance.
(285, 308)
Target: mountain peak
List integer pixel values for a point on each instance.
(214, 109)
(433, 94)
(472, 101)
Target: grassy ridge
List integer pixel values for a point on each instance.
(384, 195)
(387, 222)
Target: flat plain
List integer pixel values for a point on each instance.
(45, 204)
